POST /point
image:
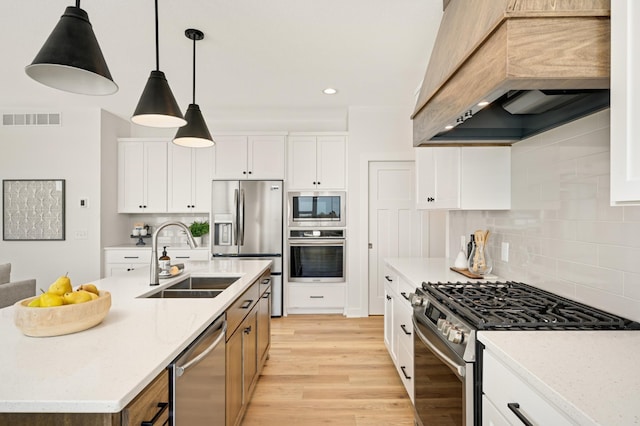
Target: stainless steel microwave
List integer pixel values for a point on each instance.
(317, 208)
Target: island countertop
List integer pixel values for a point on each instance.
(100, 370)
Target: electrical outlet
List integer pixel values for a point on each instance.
(505, 252)
(81, 234)
(84, 203)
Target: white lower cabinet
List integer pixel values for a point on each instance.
(398, 325)
(316, 298)
(507, 397)
(119, 261)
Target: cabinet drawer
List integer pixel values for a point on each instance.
(404, 325)
(316, 296)
(145, 406)
(128, 256)
(391, 279)
(405, 369)
(405, 288)
(180, 255)
(241, 307)
(502, 386)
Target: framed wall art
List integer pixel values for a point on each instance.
(33, 209)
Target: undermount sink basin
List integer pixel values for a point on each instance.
(184, 294)
(195, 287)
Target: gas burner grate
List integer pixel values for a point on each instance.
(514, 305)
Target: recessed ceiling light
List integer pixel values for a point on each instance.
(448, 127)
(329, 91)
(483, 104)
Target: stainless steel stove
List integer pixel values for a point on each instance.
(447, 360)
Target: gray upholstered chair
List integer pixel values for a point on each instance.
(11, 292)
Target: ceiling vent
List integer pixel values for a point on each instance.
(31, 119)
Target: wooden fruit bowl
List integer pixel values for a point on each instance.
(59, 320)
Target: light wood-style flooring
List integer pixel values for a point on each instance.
(328, 370)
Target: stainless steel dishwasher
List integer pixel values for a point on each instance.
(197, 385)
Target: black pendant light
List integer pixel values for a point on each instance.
(71, 59)
(157, 107)
(195, 134)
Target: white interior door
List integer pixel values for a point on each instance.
(396, 227)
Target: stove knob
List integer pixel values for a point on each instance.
(440, 323)
(446, 326)
(417, 300)
(455, 335)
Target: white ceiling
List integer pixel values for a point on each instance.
(256, 54)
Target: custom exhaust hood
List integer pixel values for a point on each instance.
(503, 70)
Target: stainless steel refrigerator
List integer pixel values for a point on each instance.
(247, 222)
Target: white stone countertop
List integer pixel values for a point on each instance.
(419, 269)
(100, 370)
(592, 376)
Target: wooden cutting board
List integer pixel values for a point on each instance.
(466, 273)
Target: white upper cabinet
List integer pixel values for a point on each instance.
(249, 157)
(190, 171)
(625, 102)
(317, 162)
(142, 176)
(467, 178)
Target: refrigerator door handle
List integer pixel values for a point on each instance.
(236, 200)
(241, 219)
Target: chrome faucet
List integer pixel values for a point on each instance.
(155, 277)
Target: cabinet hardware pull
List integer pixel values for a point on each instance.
(162, 408)
(131, 257)
(386, 277)
(244, 172)
(515, 408)
(318, 182)
(247, 330)
(266, 281)
(404, 294)
(404, 328)
(388, 297)
(406, 376)
(189, 257)
(266, 295)
(316, 297)
(246, 304)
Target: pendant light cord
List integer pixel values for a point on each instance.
(194, 69)
(157, 40)
(78, 4)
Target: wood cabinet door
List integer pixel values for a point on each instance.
(234, 379)
(249, 330)
(264, 326)
(230, 157)
(302, 162)
(331, 162)
(180, 175)
(130, 177)
(146, 405)
(266, 157)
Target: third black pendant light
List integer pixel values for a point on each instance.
(71, 59)
(157, 106)
(195, 134)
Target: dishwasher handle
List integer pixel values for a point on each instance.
(180, 369)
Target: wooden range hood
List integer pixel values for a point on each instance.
(513, 51)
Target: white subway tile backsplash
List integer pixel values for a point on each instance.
(563, 235)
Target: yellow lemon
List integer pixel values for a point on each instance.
(35, 303)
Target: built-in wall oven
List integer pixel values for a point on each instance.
(317, 255)
(317, 209)
(447, 357)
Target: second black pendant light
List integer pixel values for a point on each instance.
(195, 134)
(157, 106)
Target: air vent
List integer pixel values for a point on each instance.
(35, 119)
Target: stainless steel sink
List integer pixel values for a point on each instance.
(195, 287)
(184, 294)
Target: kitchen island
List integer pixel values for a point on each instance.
(102, 369)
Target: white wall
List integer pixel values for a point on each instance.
(375, 133)
(562, 233)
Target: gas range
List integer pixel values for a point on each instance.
(447, 357)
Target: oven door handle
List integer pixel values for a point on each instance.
(457, 368)
(303, 242)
